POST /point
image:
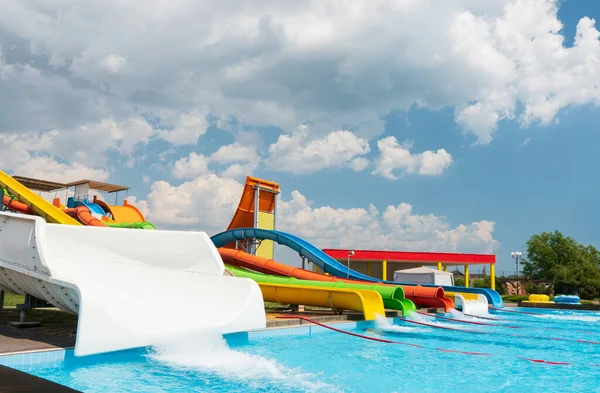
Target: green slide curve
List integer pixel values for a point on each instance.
(393, 296)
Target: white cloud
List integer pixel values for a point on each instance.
(191, 166)
(397, 228)
(184, 128)
(208, 203)
(359, 163)
(297, 153)
(90, 142)
(20, 155)
(394, 156)
(242, 156)
(113, 63)
(285, 63)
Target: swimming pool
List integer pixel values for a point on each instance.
(314, 359)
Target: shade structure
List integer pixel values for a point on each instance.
(424, 275)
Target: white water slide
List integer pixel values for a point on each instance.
(130, 288)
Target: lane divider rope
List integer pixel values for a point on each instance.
(412, 345)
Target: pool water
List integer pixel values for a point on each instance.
(329, 361)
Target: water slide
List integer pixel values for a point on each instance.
(126, 216)
(94, 208)
(244, 214)
(421, 296)
(33, 203)
(81, 213)
(115, 279)
(330, 265)
(364, 300)
(393, 297)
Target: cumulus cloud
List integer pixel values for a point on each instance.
(191, 166)
(26, 155)
(394, 156)
(206, 203)
(286, 63)
(209, 201)
(241, 158)
(183, 128)
(397, 227)
(297, 153)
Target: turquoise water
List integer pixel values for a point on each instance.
(333, 362)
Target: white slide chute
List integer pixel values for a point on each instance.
(130, 288)
(471, 306)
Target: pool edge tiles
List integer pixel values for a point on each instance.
(306, 329)
(30, 358)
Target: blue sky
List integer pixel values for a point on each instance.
(441, 126)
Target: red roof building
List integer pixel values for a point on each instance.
(382, 264)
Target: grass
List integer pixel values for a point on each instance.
(44, 315)
(513, 298)
(270, 306)
(12, 299)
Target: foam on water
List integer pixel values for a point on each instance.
(463, 317)
(209, 353)
(383, 324)
(581, 318)
(432, 321)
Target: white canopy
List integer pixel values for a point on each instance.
(424, 275)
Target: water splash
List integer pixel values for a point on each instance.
(208, 352)
(457, 314)
(581, 318)
(384, 324)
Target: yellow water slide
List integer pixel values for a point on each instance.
(36, 203)
(369, 302)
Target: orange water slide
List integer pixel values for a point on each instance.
(421, 296)
(125, 213)
(244, 214)
(17, 206)
(81, 212)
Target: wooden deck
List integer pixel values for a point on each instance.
(57, 331)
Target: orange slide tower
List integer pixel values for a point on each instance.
(256, 209)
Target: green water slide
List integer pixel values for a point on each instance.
(133, 225)
(393, 296)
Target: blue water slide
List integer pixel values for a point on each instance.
(94, 208)
(327, 263)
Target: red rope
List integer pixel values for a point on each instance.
(511, 335)
(469, 322)
(409, 344)
(487, 318)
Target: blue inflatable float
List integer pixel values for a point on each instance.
(566, 299)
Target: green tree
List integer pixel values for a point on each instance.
(485, 282)
(556, 258)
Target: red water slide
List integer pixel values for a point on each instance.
(421, 296)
